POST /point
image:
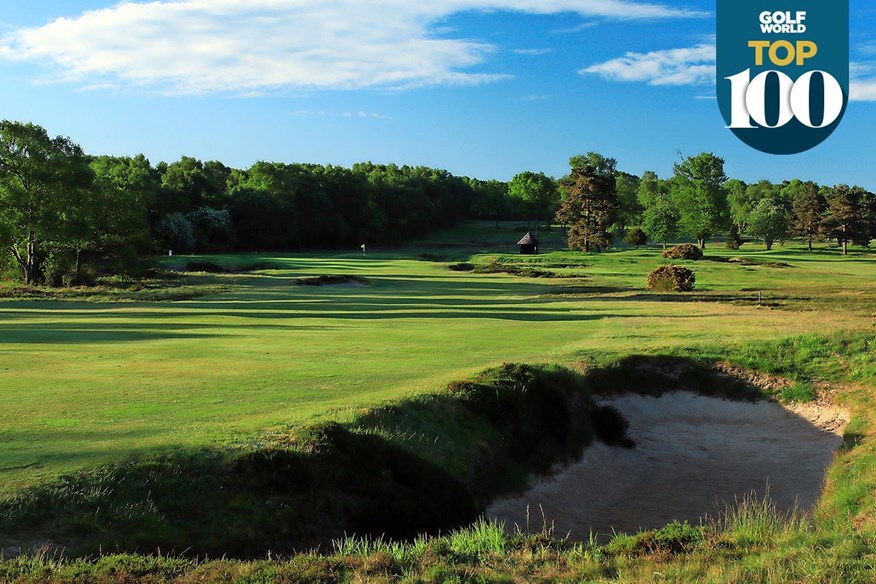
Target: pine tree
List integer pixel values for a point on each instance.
(734, 241)
(846, 219)
(589, 209)
(809, 207)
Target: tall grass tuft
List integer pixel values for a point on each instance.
(480, 539)
(756, 521)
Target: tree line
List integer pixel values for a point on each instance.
(65, 214)
(698, 202)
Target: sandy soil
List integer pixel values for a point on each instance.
(693, 455)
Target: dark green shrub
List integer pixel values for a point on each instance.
(498, 267)
(734, 240)
(684, 251)
(464, 267)
(636, 236)
(353, 281)
(671, 279)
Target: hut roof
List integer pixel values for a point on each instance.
(528, 239)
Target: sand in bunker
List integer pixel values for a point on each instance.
(692, 455)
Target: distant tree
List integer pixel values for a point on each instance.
(845, 216)
(637, 237)
(600, 165)
(186, 183)
(742, 199)
(659, 216)
(768, 222)
(44, 191)
(211, 229)
(699, 195)
(808, 206)
(176, 233)
(867, 205)
(536, 193)
(650, 189)
(737, 203)
(491, 199)
(589, 208)
(734, 240)
(660, 221)
(630, 211)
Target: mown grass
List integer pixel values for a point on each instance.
(241, 369)
(303, 487)
(87, 383)
(748, 542)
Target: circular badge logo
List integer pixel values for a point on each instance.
(783, 71)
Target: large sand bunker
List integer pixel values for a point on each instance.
(693, 455)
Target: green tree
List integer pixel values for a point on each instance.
(734, 240)
(43, 185)
(808, 206)
(737, 203)
(491, 199)
(650, 189)
(845, 219)
(699, 195)
(589, 208)
(600, 165)
(636, 236)
(630, 211)
(768, 222)
(536, 193)
(176, 233)
(742, 199)
(660, 220)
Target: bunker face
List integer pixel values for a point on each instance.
(693, 455)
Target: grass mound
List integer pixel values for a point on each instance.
(333, 482)
(463, 267)
(347, 281)
(757, 262)
(304, 488)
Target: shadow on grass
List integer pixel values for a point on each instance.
(423, 465)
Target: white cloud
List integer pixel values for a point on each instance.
(690, 66)
(533, 52)
(863, 90)
(863, 81)
(203, 46)
(574, 29)
(324, 114)
(696, 66)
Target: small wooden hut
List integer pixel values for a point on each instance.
(528, 245)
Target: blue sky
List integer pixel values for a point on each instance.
(485, 88)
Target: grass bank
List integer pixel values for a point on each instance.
(419, 466)
(491, 417)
